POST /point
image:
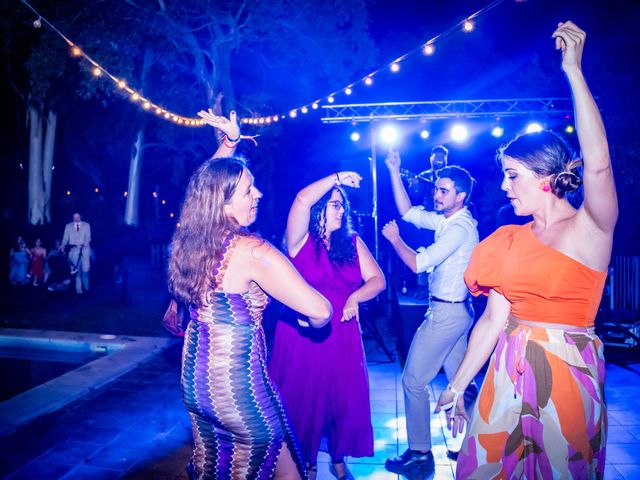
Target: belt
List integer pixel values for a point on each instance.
(436, 299)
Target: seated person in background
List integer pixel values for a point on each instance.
(57, 275)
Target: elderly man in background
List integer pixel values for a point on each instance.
(77, 238)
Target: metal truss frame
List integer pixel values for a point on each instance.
(505, 107)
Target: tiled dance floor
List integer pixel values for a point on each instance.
(136, 428)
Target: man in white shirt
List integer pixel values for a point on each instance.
(77, 238)
(441, 340)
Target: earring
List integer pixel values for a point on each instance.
(545, 187)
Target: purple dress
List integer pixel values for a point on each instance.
(322, 373)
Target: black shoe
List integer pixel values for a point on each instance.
(452, 454)
(410, 460)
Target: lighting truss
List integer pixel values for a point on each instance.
(506, 107)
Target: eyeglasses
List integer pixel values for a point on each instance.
(336, 204)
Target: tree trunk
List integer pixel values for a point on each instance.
(131, 216)
(133, 189)
(36, 187)
(47, 162)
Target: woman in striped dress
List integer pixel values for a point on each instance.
(240, 429)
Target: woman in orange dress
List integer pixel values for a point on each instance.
(541, 411)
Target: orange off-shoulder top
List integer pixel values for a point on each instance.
(542, 284)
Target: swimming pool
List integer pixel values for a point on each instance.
(116, 356)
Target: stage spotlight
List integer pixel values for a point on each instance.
(348, 91)
(569, 129)
(497, 131)
(355, 136)
(368, 81)
(459, 133)
(424, 134)
(533, 127)
(388, 134)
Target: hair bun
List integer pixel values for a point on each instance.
(569, 180)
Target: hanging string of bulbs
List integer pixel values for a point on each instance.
(427, 48)
(99, 71)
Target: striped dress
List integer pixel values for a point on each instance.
(239, 424)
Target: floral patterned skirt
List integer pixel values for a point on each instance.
(541, 412)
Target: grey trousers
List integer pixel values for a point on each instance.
(80, 259)
(441, 341)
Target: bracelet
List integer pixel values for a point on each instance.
(226, 141)
(452, 405)
(337, 180)
(234, 140)
(454, 391)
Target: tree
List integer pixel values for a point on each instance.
(253, 56)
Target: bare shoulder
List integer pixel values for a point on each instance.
(584, 226)
(582, 240)
(254, 248)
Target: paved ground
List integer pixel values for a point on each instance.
(136, 428)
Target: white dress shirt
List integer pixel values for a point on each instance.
(447, 258)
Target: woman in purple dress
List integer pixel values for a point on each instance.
(329, 406)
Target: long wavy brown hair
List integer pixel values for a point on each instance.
(197, 245)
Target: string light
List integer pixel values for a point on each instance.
(569, 129)
(98, 70)
(427, 48)
(96, 189)
(68, 193)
